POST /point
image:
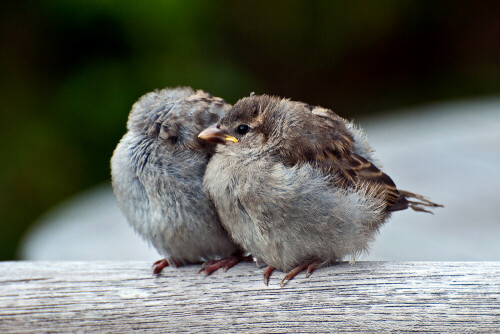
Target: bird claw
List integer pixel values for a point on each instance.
(209, 267)
(267, 273)
(309, 266)
(160, 264)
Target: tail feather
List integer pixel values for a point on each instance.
(419, 202)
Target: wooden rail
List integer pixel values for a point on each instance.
(116, 297)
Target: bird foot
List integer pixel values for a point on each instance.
(267, 273)
(209, 267)
(309, 265)
(160, 264)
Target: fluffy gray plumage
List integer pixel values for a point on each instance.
(296, 184)
(157, 170)
(287, 215)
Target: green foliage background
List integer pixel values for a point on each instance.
(70, 70)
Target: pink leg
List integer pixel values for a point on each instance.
(160, 264)
(309, 265)
(209, 267)
(267, 273)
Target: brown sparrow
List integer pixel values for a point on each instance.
(297, 185)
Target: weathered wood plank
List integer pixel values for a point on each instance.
(368, 296)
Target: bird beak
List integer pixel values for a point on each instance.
(215, 135)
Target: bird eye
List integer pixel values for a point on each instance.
(173, 139)
(242, 129)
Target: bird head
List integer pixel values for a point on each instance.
(295, 130)
(174, 118)
(252, 121)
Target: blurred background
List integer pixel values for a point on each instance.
(70, 71)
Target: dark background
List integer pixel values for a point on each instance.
(70, 71)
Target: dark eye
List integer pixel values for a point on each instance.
(173, 139)
(242, 129)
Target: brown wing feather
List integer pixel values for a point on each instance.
(328, 145)
(371, 176)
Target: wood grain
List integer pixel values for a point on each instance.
(115, 297)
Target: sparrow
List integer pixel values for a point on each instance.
(298, 186)
(157, 172)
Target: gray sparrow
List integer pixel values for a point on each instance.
(297, 185)
(157, 173)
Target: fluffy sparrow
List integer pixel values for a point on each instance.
(297, 185)
(157, 171)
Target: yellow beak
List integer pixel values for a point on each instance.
(215, 135)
